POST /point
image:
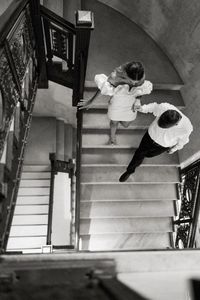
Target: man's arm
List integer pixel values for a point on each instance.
(149, 108)
(180, 143)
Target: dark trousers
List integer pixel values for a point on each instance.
(147, 148)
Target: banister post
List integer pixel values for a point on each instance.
(84, 25)
(40, 48)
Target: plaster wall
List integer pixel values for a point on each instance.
(175, 26)
(4, 5)
(42, 141)
(56, 101)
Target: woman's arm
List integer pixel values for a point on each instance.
(85, 104)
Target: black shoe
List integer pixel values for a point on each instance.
(124, 176)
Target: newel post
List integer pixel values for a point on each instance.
(84, 25)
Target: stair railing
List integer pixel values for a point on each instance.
(187, 221)
(56, 166)
(18, 85)
(66, 50)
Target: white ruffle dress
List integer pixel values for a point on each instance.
(122, 99)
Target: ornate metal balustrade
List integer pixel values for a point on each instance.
(18, 85)
(186, 224)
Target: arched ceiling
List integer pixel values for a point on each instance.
(173, 24)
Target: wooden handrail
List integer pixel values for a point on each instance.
(50, 15)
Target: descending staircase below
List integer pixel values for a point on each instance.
(29, 226)
(137, 214)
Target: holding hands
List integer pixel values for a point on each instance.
(137, 105)
(84, 104)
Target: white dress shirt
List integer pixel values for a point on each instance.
(174, 137)
(122, 97)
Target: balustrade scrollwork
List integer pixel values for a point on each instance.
(18, 84)
(186, 222)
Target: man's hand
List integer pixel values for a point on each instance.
(137, 105)
(84, 104)
(171, 150)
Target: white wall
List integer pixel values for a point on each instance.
(61, 210)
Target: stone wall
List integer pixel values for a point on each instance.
(175, 26)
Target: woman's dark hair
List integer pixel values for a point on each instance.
(169, 118)
(134, 70)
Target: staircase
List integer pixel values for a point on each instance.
(136, 214)
(30, 222)
(29, 226)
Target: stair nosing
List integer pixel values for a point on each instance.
(128, 200)
(126, 183)
(116, 233)
(124, 217)
(125, 165)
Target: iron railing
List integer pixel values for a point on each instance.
(186, 224)
(18, 85)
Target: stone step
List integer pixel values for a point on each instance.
(158, 95)
(98, 119)
(128, 191)
(33, 191)
(31, 209)
(30, 220)
(122, 156)
(128, 137)
(109, 173)
(37, 230)
(105, 209)
(126, 241)
(34, 183)
(36, 175)
(16, 243)
(28, 200)
(36, 168)
(125, 225)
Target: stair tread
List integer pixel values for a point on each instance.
(33, 191)
(171, 96)
(34, 183)
(36, 168)
(26, 242)
(30, 220)
(36, 230)
(28, 200)
(128, 191)
(126, 225)
(35, 175)
(131, 241)
(126, 209)
(31, 209)
(122, 156)
(151, 174)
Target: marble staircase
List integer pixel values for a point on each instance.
(28, 232)
(137, 214)
(29, 225)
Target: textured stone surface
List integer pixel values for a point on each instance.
(175, 26)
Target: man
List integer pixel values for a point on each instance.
(169, 132)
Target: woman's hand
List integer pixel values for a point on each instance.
(84, 104)
(137, 105)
